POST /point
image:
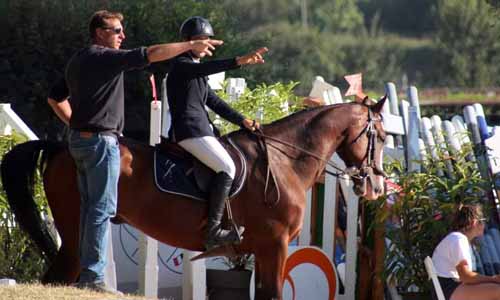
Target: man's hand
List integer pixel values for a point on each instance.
(252, 58)
(251, 124)
(205, 46)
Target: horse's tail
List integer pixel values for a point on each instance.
(18, 175)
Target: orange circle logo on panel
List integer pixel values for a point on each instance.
(317, 258)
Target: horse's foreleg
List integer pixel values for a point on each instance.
(270, 263)
(65, 267)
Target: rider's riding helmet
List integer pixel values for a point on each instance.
(194, 26)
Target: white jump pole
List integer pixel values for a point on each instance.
(390, 90)
(413, 98)
(413, 153)
(437, 131)
(426, 134)
(148, 247)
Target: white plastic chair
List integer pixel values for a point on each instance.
(429, 267)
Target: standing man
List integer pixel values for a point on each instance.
(95, 114)
(188, 93)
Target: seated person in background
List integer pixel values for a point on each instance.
(452, 259)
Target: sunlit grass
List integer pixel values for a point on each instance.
(41, 292)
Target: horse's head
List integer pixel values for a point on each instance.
(362, 150)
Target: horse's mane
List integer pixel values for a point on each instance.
(299, 120)
(307, 113)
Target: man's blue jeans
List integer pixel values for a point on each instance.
(97, 158)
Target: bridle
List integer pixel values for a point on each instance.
(371, 169)
(367, 171)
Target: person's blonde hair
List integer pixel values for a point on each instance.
(98, 20)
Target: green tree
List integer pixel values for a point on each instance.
(296, 54)
(494, 3)
(468, 36)
(337, 16)
(407, 17)
(252, 14)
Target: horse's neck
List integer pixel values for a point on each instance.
(319, 131)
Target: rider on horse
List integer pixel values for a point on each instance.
(188, 93)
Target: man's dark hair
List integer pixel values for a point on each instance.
(98, 20)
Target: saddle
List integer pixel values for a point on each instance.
(177, 172)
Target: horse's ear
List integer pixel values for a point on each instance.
(380, 104)
(367, 101)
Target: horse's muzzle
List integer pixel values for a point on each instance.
(369, 183)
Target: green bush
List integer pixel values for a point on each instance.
(19, 256)
(265, 102)
(421, 214)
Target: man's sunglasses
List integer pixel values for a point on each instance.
(116, 30)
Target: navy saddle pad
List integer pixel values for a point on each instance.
(182, 174)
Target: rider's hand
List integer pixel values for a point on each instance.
(251, 124)
(205, 46)
(252, 58)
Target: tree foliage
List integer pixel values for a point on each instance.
(468, 35)
(341, 37)
(339, 16)
(407, 17)
(267, 103)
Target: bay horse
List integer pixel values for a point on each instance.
(298, 148)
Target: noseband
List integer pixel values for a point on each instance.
(367, 171)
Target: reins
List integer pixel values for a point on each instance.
(263, 137)
(352, 172)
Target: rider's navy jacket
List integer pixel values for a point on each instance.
(188, 93)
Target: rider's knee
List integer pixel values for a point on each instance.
(230, 169)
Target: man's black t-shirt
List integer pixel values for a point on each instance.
(94, 81)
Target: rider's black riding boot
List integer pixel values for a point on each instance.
(216, 236)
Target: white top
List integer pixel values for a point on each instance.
(453, 249)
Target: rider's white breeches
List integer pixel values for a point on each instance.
(210, 152)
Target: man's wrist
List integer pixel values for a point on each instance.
(239, 62)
